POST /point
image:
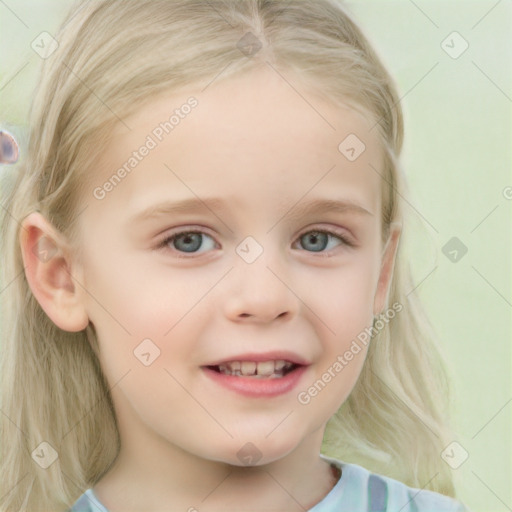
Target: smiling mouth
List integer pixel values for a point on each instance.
(273, 369)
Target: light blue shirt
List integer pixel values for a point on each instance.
(357, 490)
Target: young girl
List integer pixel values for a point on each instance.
(203, 280)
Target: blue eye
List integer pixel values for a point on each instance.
(189, 242)
(319, 241)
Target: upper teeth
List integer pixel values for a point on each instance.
(264, 368)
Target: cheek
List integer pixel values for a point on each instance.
(334, 377)
(127, 294)
(343, 353)
(141, 316)
(157, 396)
(342, 297)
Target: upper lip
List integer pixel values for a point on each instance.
(275, 355)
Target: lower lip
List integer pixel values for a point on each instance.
(257, 387)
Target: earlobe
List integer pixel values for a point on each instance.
(386, 271)
(49, 272)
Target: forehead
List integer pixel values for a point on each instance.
(259, 134)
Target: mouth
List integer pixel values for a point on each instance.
(272, 369)
(258, 375)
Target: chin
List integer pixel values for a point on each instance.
(259, 451)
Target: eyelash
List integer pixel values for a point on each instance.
(164, 244)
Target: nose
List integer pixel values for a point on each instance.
(259, 293)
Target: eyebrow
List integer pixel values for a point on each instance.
(167, 208)
(325, 206)
(295, 212)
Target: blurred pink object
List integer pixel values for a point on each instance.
(9, 151)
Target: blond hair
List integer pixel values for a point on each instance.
(113, 56)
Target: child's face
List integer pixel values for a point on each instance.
(264, 152)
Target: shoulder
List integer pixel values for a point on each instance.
(87, 502)
(359, 489)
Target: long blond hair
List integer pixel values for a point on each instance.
(113, 55)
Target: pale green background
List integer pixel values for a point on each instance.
(457, 159)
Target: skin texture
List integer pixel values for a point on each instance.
(254, 143)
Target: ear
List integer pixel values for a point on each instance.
(386, 270)
(50, 273)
